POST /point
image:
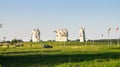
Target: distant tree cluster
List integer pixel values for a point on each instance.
(16, 41)
(106, 40)
(5, 42)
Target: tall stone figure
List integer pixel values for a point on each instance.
(61, 35)
(82, 34)
(35, 35)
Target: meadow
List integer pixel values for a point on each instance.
(63, 54)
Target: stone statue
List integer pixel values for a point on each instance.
(35, 35)
(61, 35)
(82, 34)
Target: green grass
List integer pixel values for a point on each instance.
(63, 54)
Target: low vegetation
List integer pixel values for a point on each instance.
(63, 54)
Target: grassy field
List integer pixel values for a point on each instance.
(63, 54)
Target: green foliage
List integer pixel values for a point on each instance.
(14, 41)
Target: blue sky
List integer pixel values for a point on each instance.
(20, 17)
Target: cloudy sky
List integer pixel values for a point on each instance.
(20, 17)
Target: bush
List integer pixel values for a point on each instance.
(47, 46)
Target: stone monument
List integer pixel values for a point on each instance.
(61, 35)
(82, 34)
(35, 35)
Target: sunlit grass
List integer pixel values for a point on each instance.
(71, 54)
